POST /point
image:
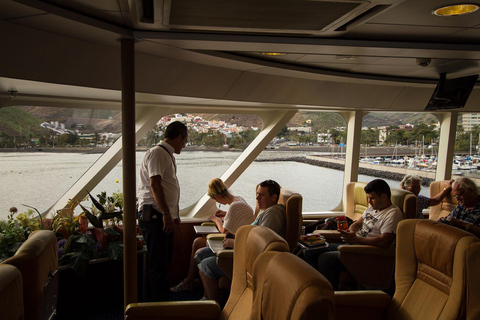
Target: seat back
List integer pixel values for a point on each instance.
(37, 260)
(357, 203)
(250, 242)
(373, 267)
(294, 220)
(11, 293)
(431, 278)
(473, 276)
(355, 200)
(406, 201)
(447, 204)
(288, 288)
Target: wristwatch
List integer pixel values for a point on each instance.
(468, 226)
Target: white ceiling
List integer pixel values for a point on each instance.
(208, 52)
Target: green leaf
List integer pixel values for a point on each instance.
(79, 262)
(87, 239)
(93, 220)
(110, 231)
(106, 216)
(115, 250)
(14, 247)
(97, 204)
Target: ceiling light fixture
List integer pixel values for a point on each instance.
(273, 53)
(455, 10)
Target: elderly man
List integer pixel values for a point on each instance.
(377, 227)
(466, 215)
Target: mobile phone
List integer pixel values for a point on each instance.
(146, 213)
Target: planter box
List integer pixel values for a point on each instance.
(100, 289)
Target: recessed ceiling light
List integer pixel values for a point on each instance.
(273, 53)
(455, 10)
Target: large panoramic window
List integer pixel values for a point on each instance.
(466, 161)
(44, 151)
(397, 144)
(303, 157)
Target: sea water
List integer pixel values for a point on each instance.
(39, 179)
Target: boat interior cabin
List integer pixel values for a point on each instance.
(272, 59)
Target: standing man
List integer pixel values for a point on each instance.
(158, 198)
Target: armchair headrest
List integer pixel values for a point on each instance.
(293, 202)
(406, 201)
(356, 199)
(251, 241)
(285, 194)
(37, 260)
(435, 246)
(448, 203)
(11, 293)
(287, 288)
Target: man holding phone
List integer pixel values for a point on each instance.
(158, 198)
(377, 227)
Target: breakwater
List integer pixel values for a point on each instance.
(379, 171)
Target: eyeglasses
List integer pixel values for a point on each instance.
(458, 196)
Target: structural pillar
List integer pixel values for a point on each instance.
(352, 155)
(446, 145)
(129, 172)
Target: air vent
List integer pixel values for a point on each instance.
(271, 16)
(364, 17)
(310, 15)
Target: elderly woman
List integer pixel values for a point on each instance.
(239, 213)
(413, 183)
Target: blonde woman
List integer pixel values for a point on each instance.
(238, 214)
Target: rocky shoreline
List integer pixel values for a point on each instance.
(336, 166)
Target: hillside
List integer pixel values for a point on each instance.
(18, 122)
(27, 120)
(86, 120)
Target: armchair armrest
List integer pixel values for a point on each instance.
(360, 304)
(209, 223)
(197, 310)
(216, 236)
(371, 266)
(332, 236)
(365, 249)
(225, 261)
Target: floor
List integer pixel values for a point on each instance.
(116, 312)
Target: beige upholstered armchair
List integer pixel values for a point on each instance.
(11, 293)
(293, 205)
(37, 261)
(263, 268)
(435, 277)
(371, 266)
(446, 206)
(250, 242)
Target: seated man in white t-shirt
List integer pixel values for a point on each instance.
(377, 227)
